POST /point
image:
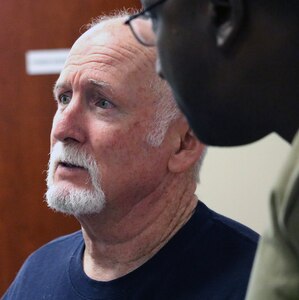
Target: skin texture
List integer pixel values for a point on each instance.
(233, 70)
(105, 107)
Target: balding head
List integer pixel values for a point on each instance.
(109, 33)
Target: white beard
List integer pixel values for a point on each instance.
(74, 201)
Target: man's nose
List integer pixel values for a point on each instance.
(69, 123)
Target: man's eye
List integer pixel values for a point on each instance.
(105, 104)
(64, 99)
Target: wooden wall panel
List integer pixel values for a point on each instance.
(26, 111)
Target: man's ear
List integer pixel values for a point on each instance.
(228, 17)
(187, 153)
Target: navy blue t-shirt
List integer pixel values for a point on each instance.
(209, 258)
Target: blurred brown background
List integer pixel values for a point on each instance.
(26, 111)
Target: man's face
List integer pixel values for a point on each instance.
(105, 110)
(185, 59)
(213, 90)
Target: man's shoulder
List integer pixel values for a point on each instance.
(236, 230)
(222, 242)
(47, 267)
(223, 228)
(211, 240)
(65, 239)
(63, 244)
(54, 251)
(209, 258)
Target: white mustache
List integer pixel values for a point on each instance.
(72, 155)
(68, 154)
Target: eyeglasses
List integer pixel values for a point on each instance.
(142, 26)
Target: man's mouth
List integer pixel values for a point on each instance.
(69, 165)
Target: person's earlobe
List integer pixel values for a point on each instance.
(228, 17)
(187, 153)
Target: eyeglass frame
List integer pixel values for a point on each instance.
(138, 15)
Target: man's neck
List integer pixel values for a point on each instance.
(114, 249)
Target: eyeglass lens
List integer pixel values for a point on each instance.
(143, 30)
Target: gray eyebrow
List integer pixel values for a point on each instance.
(58, 86)
(99, 83)
(55, 88)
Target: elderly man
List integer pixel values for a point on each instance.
(124, 162)
(234, 69)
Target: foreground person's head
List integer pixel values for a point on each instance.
(232, 64)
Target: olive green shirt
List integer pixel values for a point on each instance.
(275, 272)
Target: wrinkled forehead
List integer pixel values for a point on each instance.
(114, 40)
(110, 47)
